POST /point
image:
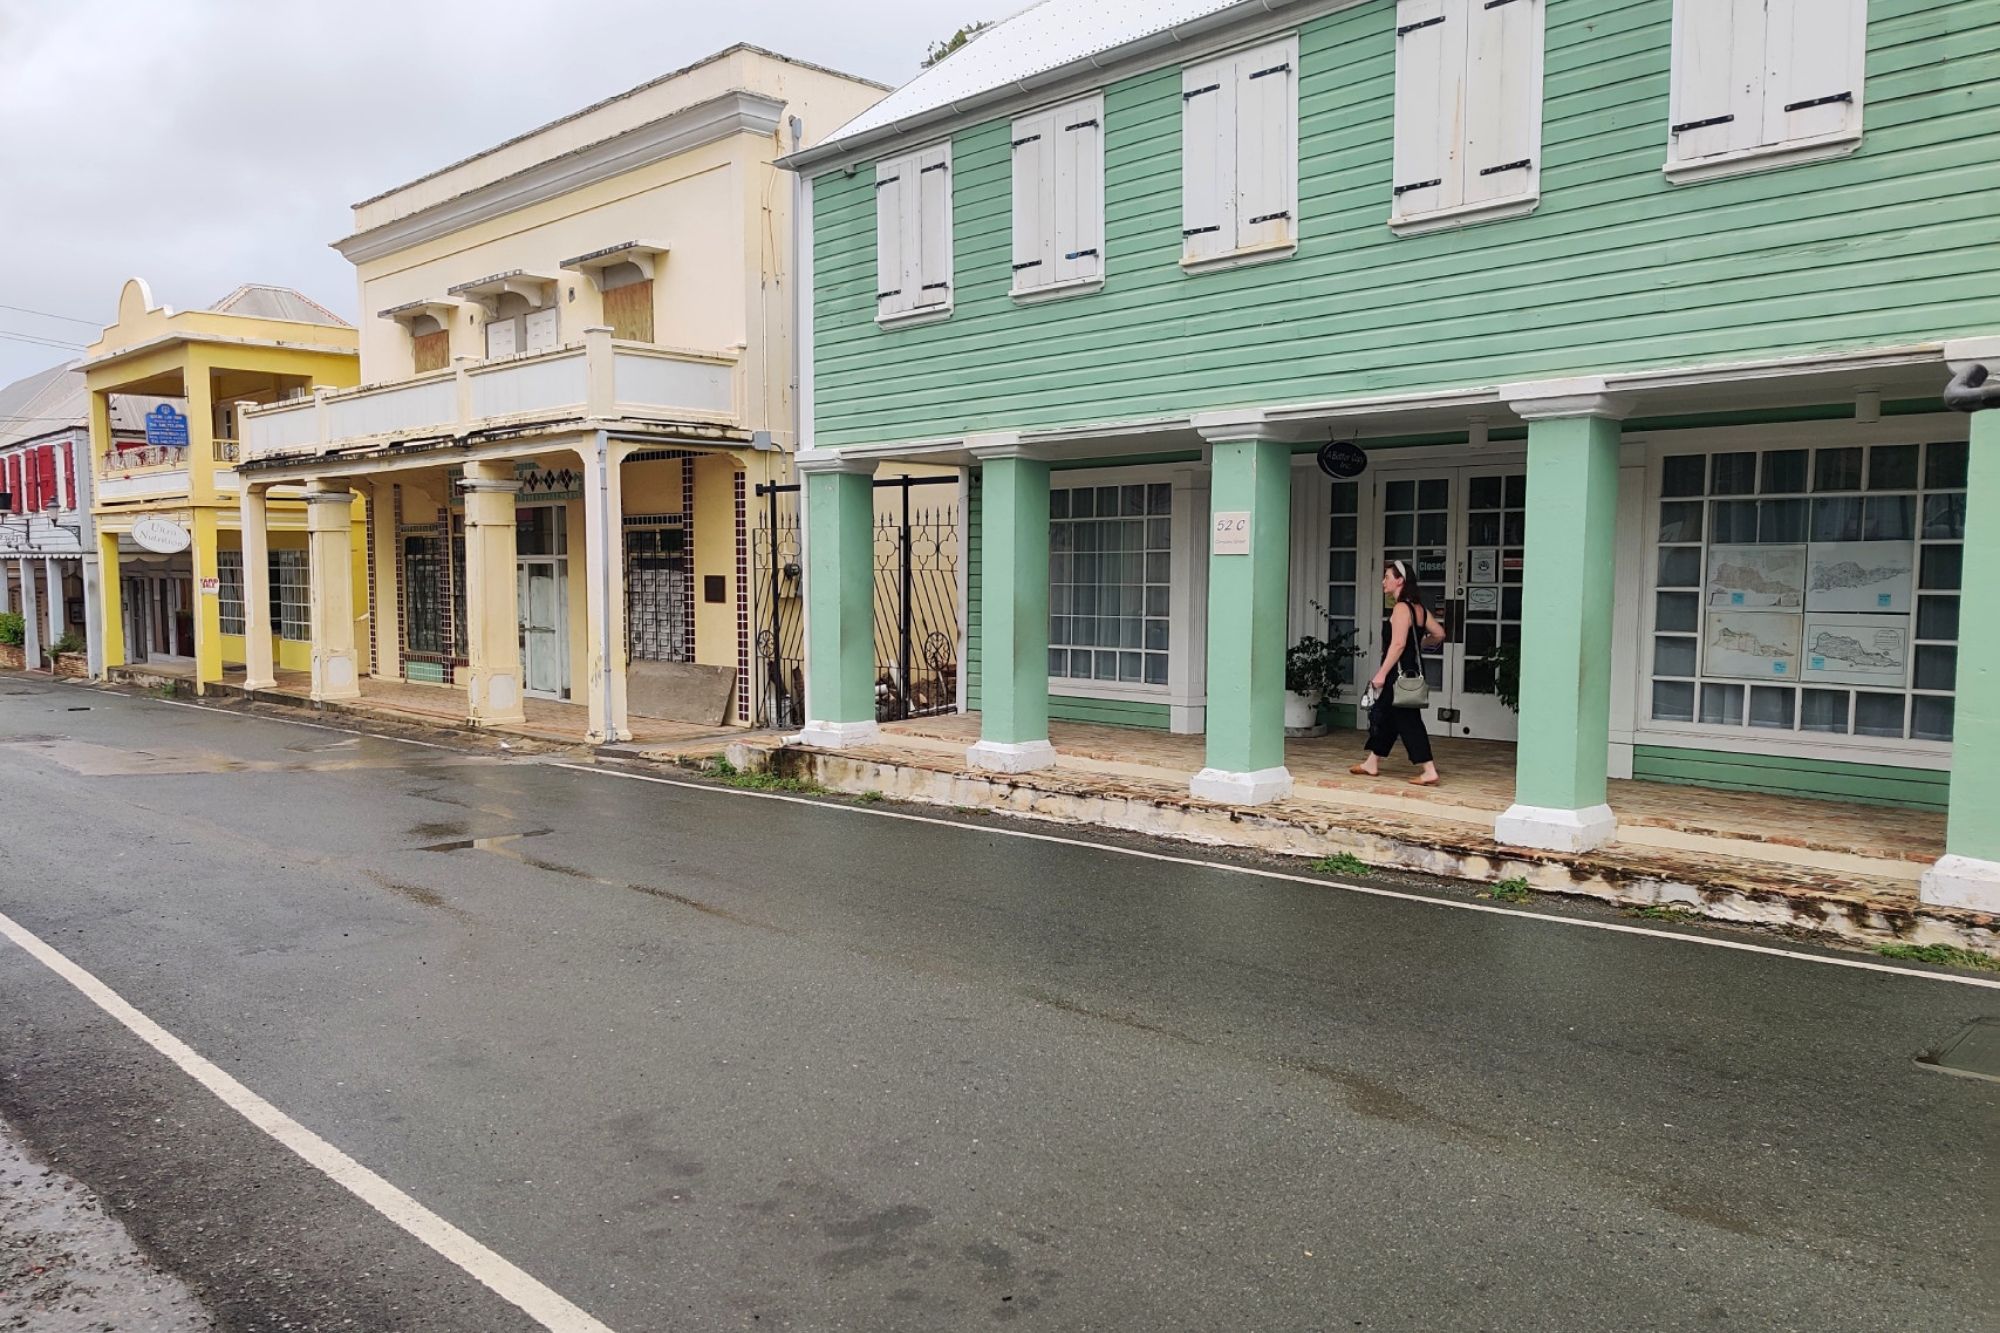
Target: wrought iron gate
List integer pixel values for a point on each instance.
(916, 562)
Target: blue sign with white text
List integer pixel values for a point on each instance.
(166, 426)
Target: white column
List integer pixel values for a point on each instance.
(31, 645)
(604, 588)
(259, 666)
(330, 578)
(53, 579)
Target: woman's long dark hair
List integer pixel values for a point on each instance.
(1412, 592)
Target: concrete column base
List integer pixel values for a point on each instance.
(334, 677)
(1555, 830)
(835, 735)
(260, 682)
(496, 701)
(1264, 785)
(1011, 756)
(1962, 881)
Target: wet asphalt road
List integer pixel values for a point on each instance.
(698, 1060)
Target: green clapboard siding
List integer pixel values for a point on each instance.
(1872, 784)
(1616, 269)
(1117, 712)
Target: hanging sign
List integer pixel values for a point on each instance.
(1232, 532)
(166, 426)
(1342, 458)
(162, 536)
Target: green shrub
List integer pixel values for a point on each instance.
(70, 642)
(13, 629)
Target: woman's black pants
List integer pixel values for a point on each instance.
(1386, 723)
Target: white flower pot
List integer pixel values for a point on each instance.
(1302, 715)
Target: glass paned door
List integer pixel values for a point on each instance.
(544, 642)
(1417, 529)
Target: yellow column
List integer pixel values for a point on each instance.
(259, 666)
(492, 602)
(111, 600)
(330, 583)
(207, 605)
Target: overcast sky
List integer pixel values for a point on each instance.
(201, 144)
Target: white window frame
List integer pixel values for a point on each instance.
(911, 300)
(1451, 208)
(1771, 150)
(1058, 252)
(1224, 77)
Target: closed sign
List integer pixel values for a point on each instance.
(1232, 532)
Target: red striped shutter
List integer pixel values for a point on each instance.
(66, 455)
(14, 483)
(50, 499)
(31, 483)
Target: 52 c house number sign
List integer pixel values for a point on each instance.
(1232, 532)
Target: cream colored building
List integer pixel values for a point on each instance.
(577, 365)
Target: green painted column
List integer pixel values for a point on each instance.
(1249, 565)
(1968, 875)
(1566, 611)
(1014, 610)
(840, 601)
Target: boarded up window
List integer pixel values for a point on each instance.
(433, 350)
(629, 311)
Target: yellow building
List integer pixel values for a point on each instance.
(173, 558)
(579, 366)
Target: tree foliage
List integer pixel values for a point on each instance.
(939, 50)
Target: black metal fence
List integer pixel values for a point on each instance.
(916, 567)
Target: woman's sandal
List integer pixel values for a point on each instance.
(1424, 781)
(1358, 771)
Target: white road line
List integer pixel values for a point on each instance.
(1740, 946)
(538, 1302)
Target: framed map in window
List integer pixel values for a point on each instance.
(1860, 576)
(1857, 650)
(1757, 576)
(1751, 645)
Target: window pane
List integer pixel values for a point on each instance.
(1680, 521)
(1930, 716)
(1677, 611)
(1784, 472)
(1888, 518)
(1944, 516)
(1672, 655)
(1160, 498)
(1837, 520)
(1156, 668)
(1683, 474)
(1058, 661)
(1341, 566)
(1722, 705)
(1937, 665)
(1517, 490)
(1943, 567)
(1485, 493)
(1781, 521)
(1399, 530)
(1673, 700)
(1434, 493)
(1772, 707)
(1432, 529)
(1344, 493)
(1837, 470)
(1944, 466)
(1400, 496)
(1937, 617)
(1823, 710)
(1058, 504)
(1878, 714)
(1732, 521)
(1343, 533)
(1892, 467)
(1733, 474)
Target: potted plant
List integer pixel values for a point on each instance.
(1314, 668)
(1505, 659)
(68, 657)
(13, 633)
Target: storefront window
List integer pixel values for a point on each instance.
(1110, 564)
(290, 598)
(1810, 590)
(229, 590)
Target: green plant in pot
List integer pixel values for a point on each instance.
(1505, 659)
(1315, 670)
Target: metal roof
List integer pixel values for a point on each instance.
(1045, 37)
(51, 401)
(263, 301)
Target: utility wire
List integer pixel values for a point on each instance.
(41, 342)
(49, 314)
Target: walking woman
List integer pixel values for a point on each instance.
(1410, 623)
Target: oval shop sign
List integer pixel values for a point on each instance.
(162, 536)
(1342, 458)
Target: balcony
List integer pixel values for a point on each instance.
(142, 458)
(596, 380)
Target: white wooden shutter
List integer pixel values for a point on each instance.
(1266, 144)
(1208, 165)
(1034, 148)
(1503, 99)
(932, 227)
(1716, 105)
(1430, 94)
(500, 338)
(1814, 53)
(1077, 245)
(890, 274)
(541, 325)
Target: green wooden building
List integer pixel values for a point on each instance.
(1641, 313)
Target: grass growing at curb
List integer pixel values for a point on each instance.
(1945, 955)
(1514, 890)
(730, 775)
(1663, 912)
(869, 797)
(1341, 863)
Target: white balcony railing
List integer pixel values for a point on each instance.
(595, 379)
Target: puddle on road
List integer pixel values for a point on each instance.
(495, 843)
